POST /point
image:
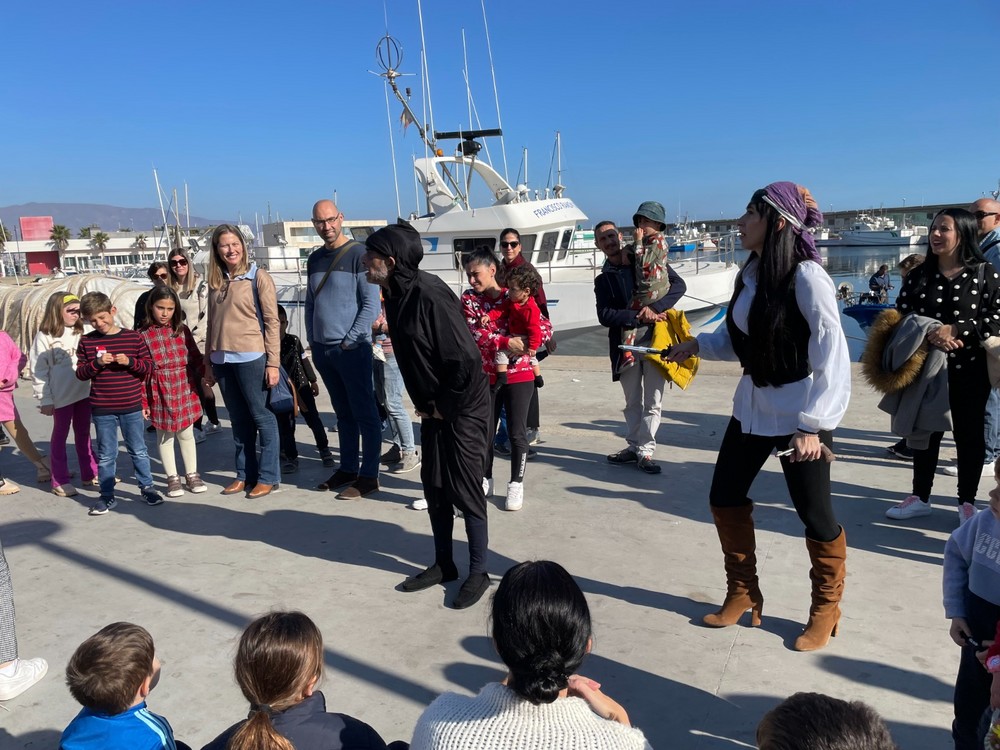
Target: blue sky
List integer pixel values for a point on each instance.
(693, 103)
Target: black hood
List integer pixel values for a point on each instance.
(401, 242)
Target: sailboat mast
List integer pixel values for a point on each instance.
(163, 213)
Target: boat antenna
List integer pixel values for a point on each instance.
(496, 96)
(392, 149)
(426, 70)
(558, 188)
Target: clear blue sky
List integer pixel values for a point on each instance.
(692, 103)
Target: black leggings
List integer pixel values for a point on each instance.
(515, 398)
(968, 392)
(286, 425)
(741, 458)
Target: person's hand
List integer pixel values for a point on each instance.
(646, 315)
(959, 630)
(209, 378)
(48, 410)
(638, 234)
(600, 704)
(106, 359)
(145, 413)
(271, 377)
(121, 359)
(484, 320)
(807, 196)
(314, 388)
(550, 346)
(944, 338)
(682, 351)
(981, 653)
(516, 345)
(807, 447)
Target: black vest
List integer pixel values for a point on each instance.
(791, 344)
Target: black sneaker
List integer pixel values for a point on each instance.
(102, 506)
(626, 456)
(647, 465)
(152, 497)
(434, 575)
(327, 457)
(901, 451)
(502, 449)
(4, 440)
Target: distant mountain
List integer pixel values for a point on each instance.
(108, 218)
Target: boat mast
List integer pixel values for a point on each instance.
(163, 213)
(496, 95)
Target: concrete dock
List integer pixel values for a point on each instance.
(196, 569)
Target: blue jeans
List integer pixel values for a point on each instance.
(245, 394)
(389, 390)
(133, 432)
(991, 426)
(502, 438)
(347, 374)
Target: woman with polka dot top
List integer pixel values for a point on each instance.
(956, 286)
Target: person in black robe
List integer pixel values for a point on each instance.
(443, 373)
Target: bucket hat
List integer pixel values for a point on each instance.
(652, 211)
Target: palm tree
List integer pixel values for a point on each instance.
(100, 242)
(85, 233)
(60, 236)
(140, 241)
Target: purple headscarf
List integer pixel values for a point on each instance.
(789, 201)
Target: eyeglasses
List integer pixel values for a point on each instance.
(179, 262)
(980, 215)
(324, 222)
(72, 311)
(515, 243)
(162, 276)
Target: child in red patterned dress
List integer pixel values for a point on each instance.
(170, 398)
(519, 316)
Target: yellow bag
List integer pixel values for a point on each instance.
(674, 330)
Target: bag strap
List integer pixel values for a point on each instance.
(336, 259)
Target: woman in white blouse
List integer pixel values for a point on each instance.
(783, 326)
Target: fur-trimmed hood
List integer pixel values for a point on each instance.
(889, 372)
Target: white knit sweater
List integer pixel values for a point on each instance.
(499, 718)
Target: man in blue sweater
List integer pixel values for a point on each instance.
(340, 308)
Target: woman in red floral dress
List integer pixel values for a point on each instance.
(170, 399)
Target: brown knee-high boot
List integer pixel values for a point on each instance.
(739, 545)
(829, 567)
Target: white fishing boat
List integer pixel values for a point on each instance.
(552, 227)
(877, 230)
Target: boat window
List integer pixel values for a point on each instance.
(567, 237)
(546, 252)
(464, 245)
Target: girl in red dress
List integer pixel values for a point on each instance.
(170, 399)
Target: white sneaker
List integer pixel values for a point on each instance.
(515, 496)
(488, 487)
(26, 673)
(533, 437)
(419, 504)
(965, 512)
(952, 470)
(911, 507)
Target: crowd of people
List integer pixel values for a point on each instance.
(377, 327)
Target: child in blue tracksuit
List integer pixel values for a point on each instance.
(111, 673)
(972, 601)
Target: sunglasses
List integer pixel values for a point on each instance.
(72, 310)
(162, 276)
(980, 215)
(515, 243)
(179, 262)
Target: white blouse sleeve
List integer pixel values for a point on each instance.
(717, 344)
(829, 358)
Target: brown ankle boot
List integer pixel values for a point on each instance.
(735, 527)
(829, 567)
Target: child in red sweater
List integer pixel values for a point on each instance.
(520, 316)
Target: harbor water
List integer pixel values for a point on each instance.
(851, 265)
